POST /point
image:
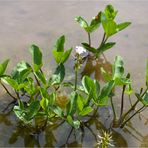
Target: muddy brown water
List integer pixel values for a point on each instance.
(42, 22)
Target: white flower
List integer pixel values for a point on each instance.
(81, 51)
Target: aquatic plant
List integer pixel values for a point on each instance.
(105, 18)
(38, 96)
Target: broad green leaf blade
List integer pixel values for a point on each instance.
(105, 92)
(122, 26)
(95, 23)
(86, 111)
(82, 22)
(32, 110)
(21, 72)
(110, 27)
(57, 110)
(88, 84)
(128, 89)
(74, 123)
(11, 82)
(59, 47)
(3, 67)
(66, 55)
(44, 104)
(58, 76)
(36, 56)
(87, 47)
(145, 99)
(19, 113)
(89, 87)
(41, 77)
(80, 103)
(72, 105)
(57, 56)
(106, 46)
(110, 12)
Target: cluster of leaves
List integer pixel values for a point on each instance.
(37, 95)
(28, 80)
(106, 19)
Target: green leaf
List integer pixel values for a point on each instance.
(59, 47)
(110, 27)
(3, 67)
(145, 99)
(95, 23)
(57, 110)
(105, 92)
(50, 97)
(61, 57)
(32, 110)
(89, 87)
(44, 104)
(66, 55)
(36, 56)
(86, 111)
(97, 87)
(75, 124)
(21, 72)
(72, 105)
(87, 47)
(110, 12)
(57, 56)
(80, 102)
(106, 46)
(88, 84)
(128, 89)
(58, 76)
(82, 22)
(19, 113)
(11, 82)
(122, 26)
(41, 77)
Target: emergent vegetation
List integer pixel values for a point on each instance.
(36, 95)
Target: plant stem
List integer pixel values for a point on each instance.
(130, 100)
(123, 124)
(102, 39)
(17, 94)
(7, 91)
(36, 79)
(113, 108)
(89, 39)
(76, 79)
(132, 108)
(122, 101)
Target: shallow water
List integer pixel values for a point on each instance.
(42, 22)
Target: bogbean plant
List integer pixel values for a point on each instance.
(36, 95)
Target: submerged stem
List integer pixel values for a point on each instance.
(113, 108)
(76, 79)
(122, 101)
(123, 124)
(132, 108)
